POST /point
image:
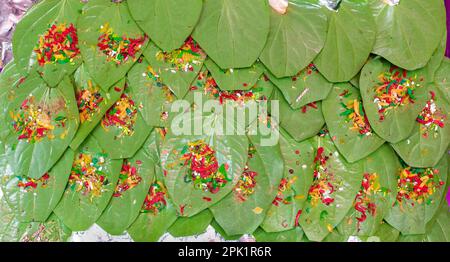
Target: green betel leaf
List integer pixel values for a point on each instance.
(333, 189)
(385, 233)
(92, 102)
(190, 226)
(295, 38)
(202, 169)
(431, 134)
(293, 235)
(157, 213)
(441, 78)
(351, 36)
(419, 194)
(153, 97)
(286, 207)
(110, 41)
(135, 178)
(307, 86)
(409, 32)
(9, 225)
(436, 60)
(222, 232)
(376, 194)
(440, 229)
(52, 230)
(235, 79)
(44, 120)
(34, 199)
(244, 209)
(302, 123)
(10, 78)
(168, 23)
(233, 32)
(348, 124)
(46, 40)
(392, 98)
(176, 69)
(92, 181)
(123, 130)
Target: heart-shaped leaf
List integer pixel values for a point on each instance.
(292, 190)
(351, 36)
(176, 69)
(235, 79)
(44, 121)
(295, 38)
(154, 98)
(233, 32)
(34, 199)
(110, 41)
(393, 98)
(135, 179)
(376, 194)
(417, 203)
(157, 213)
(244, 209)
(331, 194)
(302, 123)
(305, 87)
(431, 134)
(123, 129)
(92, 181)
(92, 102)
(168, 23)
(348, 124)
(190, 226)
(218, 158)
(408, 32)
(46, 40)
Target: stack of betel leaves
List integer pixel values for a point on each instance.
(86, 123)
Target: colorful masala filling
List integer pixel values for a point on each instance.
(364, 200)
(184, 58)
(431, 118)
(87, 175)
(128, 178)
(122, 115)
(284, 186)
(155, 201)
(355, 114)
(245, 187)
(59, 45)
(29, 184)
(119, 49)
(396, 90)
(210, 87)
(204, 170)
(322, 188)
(88, 101)
(418, 185)
(32, 122)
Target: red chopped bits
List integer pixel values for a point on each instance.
(59, 45)
(205, 173)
